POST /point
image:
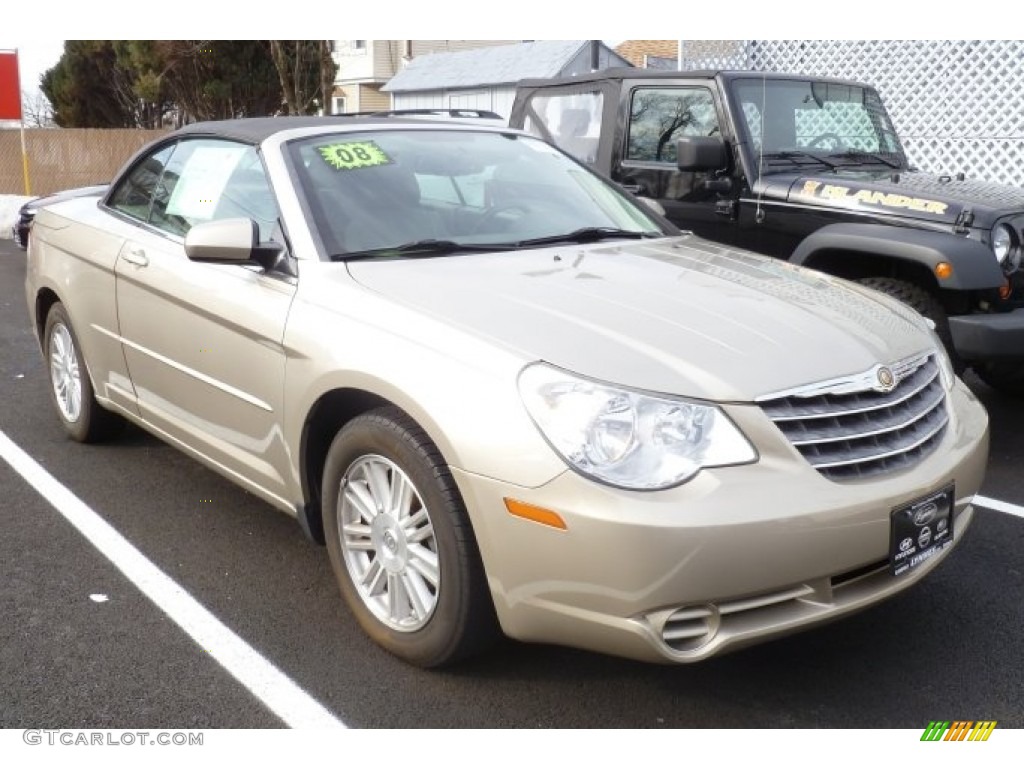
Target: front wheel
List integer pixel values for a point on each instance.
(83, 418)
(400, 542)
(923, 302)
(1007, 378)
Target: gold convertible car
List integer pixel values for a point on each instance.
(507, 395)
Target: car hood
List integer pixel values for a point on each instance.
(680, 315)
(908, 194)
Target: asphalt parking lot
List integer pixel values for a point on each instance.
(82, 646)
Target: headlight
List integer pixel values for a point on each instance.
(629, 439)
(1004, 246)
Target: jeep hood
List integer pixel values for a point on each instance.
(905, 194)
(680, 316)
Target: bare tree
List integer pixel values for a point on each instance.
(36, 111)
(306, 69)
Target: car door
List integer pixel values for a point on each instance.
(203, 342)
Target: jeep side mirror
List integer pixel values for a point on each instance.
(702, 153)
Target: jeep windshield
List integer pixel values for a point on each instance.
(793, 123)
(411, 193)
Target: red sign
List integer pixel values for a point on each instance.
(10, 90)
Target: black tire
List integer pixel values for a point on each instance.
(85, 421)
(1006, 378)
(922, 301)
(386, 443)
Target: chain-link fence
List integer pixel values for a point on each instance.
(958, 105)
(66, 157)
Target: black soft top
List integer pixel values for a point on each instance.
(253, 130)
(638, 73)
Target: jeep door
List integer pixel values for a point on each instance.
(655, 114)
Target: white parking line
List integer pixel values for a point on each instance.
(265, 681)
(999, 506)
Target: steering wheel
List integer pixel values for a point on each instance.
(510, 212)
(828, 140)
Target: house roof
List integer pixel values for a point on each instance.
(496, 65)
(636, 50)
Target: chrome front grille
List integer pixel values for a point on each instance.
(848, 429)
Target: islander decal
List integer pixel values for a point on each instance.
(837, 193)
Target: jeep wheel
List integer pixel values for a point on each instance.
(923, 302)
(401, 544)
(1007, 378)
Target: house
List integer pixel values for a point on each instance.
(653, 54)
(486, 78)
(365, 65)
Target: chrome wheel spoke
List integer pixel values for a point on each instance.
(398, 601)
(419, 596)
(423, 533)
(423, 563)
(402, 494)
(378, 484)
(358, 495)
(374, 578)
(357, 537)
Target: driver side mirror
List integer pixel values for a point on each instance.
(230, 241)
(702, 153)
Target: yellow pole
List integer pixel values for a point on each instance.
(24, 151)
(24, 160)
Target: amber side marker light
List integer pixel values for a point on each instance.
(943, 270)
(536, 514)
(1005, 290)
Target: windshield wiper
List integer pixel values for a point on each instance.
(422, 248)
(587, 235)
(793, 155)
(853, 154)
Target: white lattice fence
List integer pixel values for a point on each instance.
(958, 105)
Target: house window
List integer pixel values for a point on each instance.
(338, 105)
(359, 45)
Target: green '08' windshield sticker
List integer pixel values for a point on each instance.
(353, 154)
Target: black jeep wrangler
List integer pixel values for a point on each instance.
(810, 170)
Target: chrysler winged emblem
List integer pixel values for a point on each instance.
(886, 379)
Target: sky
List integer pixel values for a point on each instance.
(462, 19)
(34, 58)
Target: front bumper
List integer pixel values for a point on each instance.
(735, 556)
(989, 337)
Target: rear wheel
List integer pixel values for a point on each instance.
(83, 418)
(922, 301)
(400, 542)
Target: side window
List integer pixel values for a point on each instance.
(134, 195)
(572, 119)
(206, 179)
(658, 117)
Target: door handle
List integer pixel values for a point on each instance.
(136, 256)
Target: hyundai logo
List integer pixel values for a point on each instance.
(906, 544)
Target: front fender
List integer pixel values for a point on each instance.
(974, 265)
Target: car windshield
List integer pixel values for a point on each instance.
(422, 191)
(806, 122)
